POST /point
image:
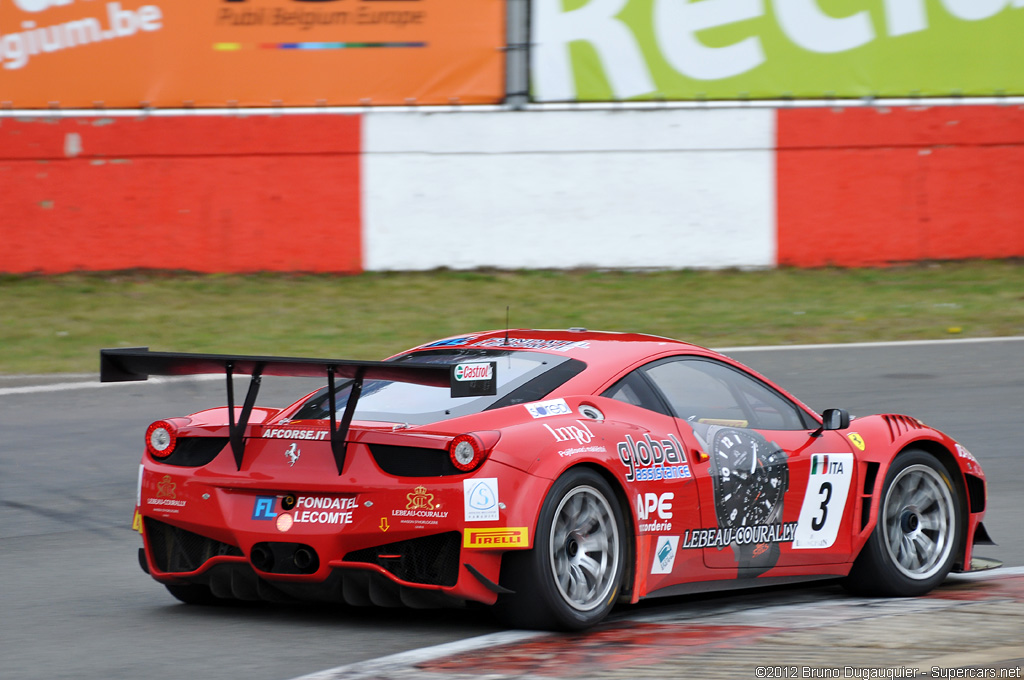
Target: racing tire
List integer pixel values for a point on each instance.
(914, 543)
(571, 577)
(193, 593)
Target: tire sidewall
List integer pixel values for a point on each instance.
(891, 579)
(562, 614)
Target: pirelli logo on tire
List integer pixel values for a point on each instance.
(499, 537)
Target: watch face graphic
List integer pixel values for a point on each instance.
(750, 476)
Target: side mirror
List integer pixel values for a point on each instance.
(833, 419)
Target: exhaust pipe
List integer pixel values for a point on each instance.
(262, 558)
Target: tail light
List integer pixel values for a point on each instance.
(161, 438)
(468, 451)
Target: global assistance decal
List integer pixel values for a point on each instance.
(650, 460)
(38, 37)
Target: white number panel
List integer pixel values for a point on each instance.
(827, 487)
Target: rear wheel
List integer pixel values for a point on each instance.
(912, 547)
(572, 576)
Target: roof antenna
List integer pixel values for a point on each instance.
(506, 324)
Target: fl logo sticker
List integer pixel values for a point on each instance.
(856, 440)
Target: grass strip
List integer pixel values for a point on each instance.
(58, 323)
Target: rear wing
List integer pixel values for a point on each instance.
(138, 363)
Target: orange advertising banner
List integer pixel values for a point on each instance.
(213, 53)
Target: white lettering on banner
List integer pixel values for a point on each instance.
(810, 28)
(39, 5)
(597, 23)
(16, 48)
(678, 24)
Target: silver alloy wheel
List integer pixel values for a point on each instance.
(584, 548)
(918, 518)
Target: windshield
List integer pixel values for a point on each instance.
(521, 377)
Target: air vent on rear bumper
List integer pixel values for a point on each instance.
(431, 560)
(176, 551)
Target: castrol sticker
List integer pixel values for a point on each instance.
(468, 372)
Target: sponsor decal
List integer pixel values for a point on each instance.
(856, 440)
(479, 371)
(419, 499)
(263, 508)
(289, 433)
(650, 504)
(504, 537)
(420, 509)
(824, 500)
(566, 453)
(329, 510)
(965, 454)
(743, 535)
(531, 343)
(292, 454)
(481, 499)
(664, 554)
(165, 489)
(649, 461)
(451, 342)
(580, 434)
(166, 496)
(545, 409)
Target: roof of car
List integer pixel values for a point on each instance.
(589, 346)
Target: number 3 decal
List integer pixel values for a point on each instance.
(825, 490)
(822, 510)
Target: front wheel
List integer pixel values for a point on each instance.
(912, 547)
(572, 576)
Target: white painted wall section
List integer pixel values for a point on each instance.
(633, 189)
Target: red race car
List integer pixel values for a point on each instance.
(551, 474)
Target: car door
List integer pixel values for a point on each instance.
(773, 492)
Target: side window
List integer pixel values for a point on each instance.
(634, 389)
(711, 392)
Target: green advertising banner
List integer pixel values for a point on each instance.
(613, 50)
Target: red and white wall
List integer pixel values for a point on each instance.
(667, 188)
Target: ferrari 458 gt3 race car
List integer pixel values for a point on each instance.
(548, 473)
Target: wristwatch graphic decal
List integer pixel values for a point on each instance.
(750, 476)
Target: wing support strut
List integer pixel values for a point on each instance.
(138, 363)
(236, 431)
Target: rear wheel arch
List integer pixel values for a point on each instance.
(558, 589)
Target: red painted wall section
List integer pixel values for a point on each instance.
(867, 187)
(207, 194)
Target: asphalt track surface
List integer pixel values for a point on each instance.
(74, 603)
